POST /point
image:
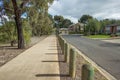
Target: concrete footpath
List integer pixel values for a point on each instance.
(39, 62)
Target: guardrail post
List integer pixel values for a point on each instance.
(62, 46)
(72, 65)
(87, 72)
(61, 42)
(66, 54)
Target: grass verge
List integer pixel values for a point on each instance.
(99, 36)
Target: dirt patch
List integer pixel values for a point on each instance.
(7, 52)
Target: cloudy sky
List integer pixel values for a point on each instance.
(74, 9)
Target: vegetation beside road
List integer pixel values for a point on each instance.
(25, 19)
(99, 36)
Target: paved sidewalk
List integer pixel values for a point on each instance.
(40, 62)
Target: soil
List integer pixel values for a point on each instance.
(7, 52)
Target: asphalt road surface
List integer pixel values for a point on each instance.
(105, 54)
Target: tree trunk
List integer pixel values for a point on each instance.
(18, 21)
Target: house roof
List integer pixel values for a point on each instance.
(110, 25)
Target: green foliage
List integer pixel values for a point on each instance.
(38, 22)
(41, 22)
(27, 31)
(85, 18)
(99, 36)
(75, 32)
(8, 32)
(66, 23)
(60, 22)
(94, 26)
(58, 18)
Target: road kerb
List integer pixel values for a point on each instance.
(100, 69)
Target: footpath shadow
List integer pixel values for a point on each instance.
(59, 53)
(51, 75)
(54, 46)
(63, 67)
(52, 54)
(52, 61)
(54, 49)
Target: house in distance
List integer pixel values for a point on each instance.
(112, 29)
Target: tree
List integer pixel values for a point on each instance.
(93, 26)
(17, 12)
(85, 18)
(66, 23)
(8, 32)
(38, 16)
(97, 26)
(37, 11)
(58, 21)
(15, 8)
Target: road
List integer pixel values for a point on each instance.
(105, 54)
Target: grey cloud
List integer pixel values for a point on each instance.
(97, 8)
